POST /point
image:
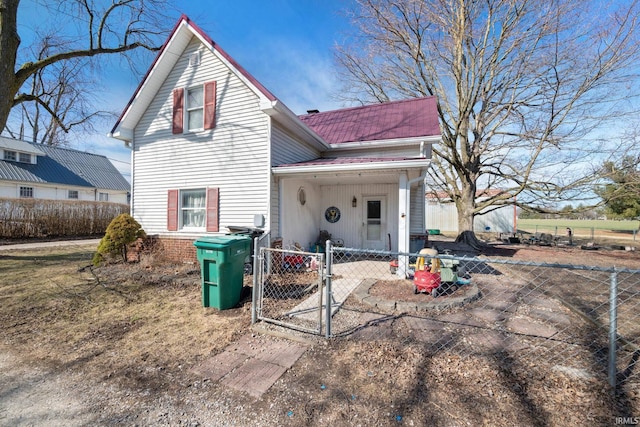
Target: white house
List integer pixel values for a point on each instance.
(213, 148)
(36, 171)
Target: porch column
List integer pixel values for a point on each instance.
(404, 189)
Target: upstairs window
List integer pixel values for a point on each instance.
(26, 192)
(195, 107)
(10, 155)
(25, 158)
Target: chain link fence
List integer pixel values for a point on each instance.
(289, 289)
(581, 321)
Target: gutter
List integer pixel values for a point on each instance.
(391, 143)
(352, 167)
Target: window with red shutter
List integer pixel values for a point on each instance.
(178, 111)
(187, 209)
(172, 210)
(210, 105)
(213, 195)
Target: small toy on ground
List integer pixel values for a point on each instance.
(435, 276)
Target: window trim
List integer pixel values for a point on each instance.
(24, 157)
(10, 155)
(188, 110)
(180, 113)
(26, 192)
(182, 209)
(174, 210)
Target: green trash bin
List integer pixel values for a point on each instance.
(222, 266)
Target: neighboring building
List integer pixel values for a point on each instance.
(34, 171)
(441, 214)
(213, 148)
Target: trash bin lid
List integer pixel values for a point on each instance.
(219, 242)
(240, 229)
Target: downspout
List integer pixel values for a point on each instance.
(133, 175)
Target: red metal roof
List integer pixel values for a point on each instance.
(390, 120)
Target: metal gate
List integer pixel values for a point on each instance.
(289, 289)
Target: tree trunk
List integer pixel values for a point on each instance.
(466, 206)
(9, 43)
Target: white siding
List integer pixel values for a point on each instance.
(300, 223)
(416, 221)
(274, 220)
(441, 216)
(444, 217)
(350, 228)
(11, 190)
(287, 149)
(232, 157)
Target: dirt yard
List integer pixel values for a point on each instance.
(118, 345)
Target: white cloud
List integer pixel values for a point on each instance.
(302, 76)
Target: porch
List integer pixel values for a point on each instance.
(373, 204)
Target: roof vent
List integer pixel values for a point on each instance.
(194, 59)
(313, 111)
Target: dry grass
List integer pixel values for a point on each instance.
(139, 330)
(137, 325)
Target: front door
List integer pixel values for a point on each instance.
(375, 229)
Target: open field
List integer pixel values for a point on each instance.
(122, 350)
(599, 224)
(604, 231)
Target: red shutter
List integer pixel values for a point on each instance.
(212, 209)
(172, 210)
(178, 110)
(209, 105)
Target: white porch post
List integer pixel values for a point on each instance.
(404, 189)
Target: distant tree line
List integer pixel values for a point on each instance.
(28, 218)
(567, 212)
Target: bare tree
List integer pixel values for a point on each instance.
(67, 96)
(53, 79)
(519, 83)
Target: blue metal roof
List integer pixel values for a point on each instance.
(66, 167)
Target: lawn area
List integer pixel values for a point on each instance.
(602, 231)
(119, 344)
(599, 224)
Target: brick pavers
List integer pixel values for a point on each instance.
(251, 364)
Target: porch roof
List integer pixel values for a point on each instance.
(355, 164)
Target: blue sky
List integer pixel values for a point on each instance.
(286, 44)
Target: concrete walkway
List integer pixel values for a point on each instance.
(349, 276)
(49, 244)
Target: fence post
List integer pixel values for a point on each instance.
(256, 280)
(329, 294)
(613, 326)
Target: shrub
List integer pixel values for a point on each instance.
(121, 232)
